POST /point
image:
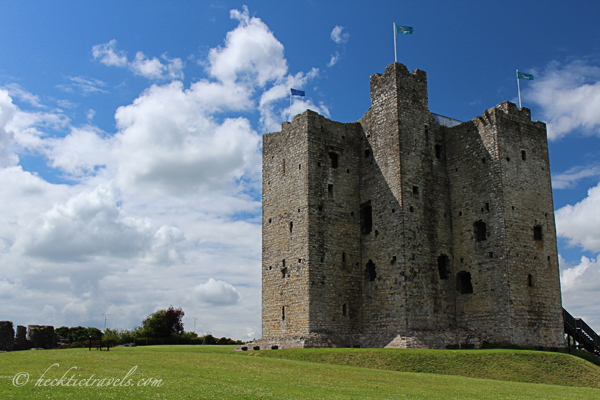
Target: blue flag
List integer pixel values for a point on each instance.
(298, 92)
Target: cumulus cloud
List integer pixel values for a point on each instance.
(89, 224)
(570, 178)
(569, 97)
(7, 112)
(572, 279)
(166, 141)
(150, 68)
(579, 223)
(108, 54)
(338, 35)
(251, 53)
(580, 285)
(217, 292)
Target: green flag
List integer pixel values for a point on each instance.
(405, 30)
(521, 75)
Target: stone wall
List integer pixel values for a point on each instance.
(7, 336)
(41, 336)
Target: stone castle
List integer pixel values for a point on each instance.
(400, 231)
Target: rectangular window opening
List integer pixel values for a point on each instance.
(334, 159)
(443, 262)
(463, 282)
(330, 191)
(480, 231)
(537, 233)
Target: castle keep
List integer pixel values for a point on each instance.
(399, 231)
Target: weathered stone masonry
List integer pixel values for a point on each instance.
(396, 231)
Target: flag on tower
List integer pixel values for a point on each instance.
(521, 75)
(300, 93)
(405, 30)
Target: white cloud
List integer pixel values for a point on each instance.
(7, 112)
(217, 292)
(88, 225)
(148, 68)
(167, 142)
(579, 223)
(251, 53)
(571, 279)
(580, 285)
(569, 96)
(90, 114)
(338, 35)
(83, 85)
(108, 54)
(15, 90)
(153, 68)
(334, 59)
(570, 178)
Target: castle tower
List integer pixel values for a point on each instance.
(396, 231)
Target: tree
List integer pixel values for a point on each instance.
(172, 320)
(163, 323)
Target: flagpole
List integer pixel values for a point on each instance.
(395, 52)
(290, 105)
(519, 87)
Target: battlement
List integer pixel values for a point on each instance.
(398, 231)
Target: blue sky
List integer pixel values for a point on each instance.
(130, 136)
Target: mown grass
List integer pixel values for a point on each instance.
(500, 364)
(216, 372)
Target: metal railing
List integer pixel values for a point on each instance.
(446, 121)
(584, 336)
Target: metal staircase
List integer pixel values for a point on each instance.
(583, 335)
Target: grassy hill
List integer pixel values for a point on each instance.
(507, 365)
(216, 372)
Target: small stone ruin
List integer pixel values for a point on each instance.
(32, 337)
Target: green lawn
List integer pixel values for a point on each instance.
(215, 372)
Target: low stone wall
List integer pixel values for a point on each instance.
(451, 339)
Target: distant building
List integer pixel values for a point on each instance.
(399, 231)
